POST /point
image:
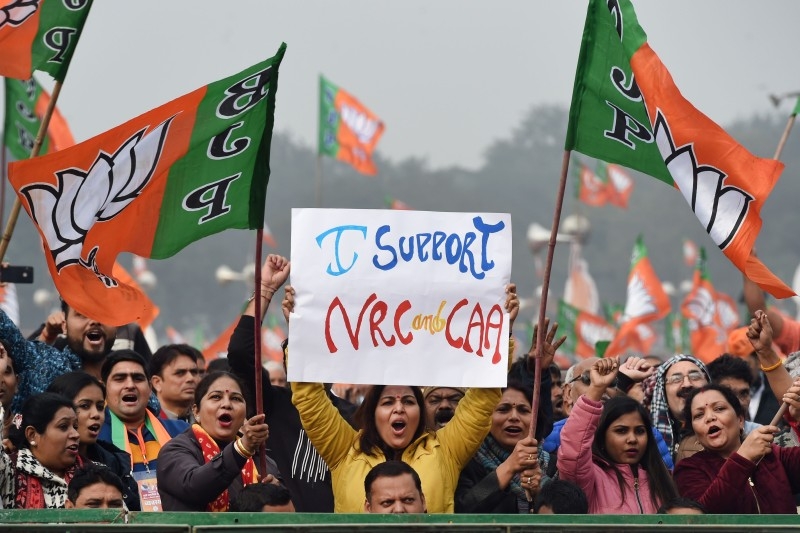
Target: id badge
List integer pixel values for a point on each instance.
(148, 491)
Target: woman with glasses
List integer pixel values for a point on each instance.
(733, 474)
(609, 451)
(88, 396)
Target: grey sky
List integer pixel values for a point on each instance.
(447, 76)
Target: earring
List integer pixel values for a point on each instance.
(33, 443)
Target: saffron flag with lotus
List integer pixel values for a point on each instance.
(646, 302)
(188, 169)
(348, 131)
(26, 103)
(39, 35)
(583, 330)
(627, 110)
(608, 184)
(710, 316)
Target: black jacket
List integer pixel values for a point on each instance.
(187, 483)
(304, 472)
(119, 462)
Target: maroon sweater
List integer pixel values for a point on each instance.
(724, 486)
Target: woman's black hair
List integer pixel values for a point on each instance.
(37, 411)
(209, 379)
(370, 440)
(662, 487)
(726, 392)
(527, 392)
(71, 383)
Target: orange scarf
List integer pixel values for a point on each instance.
(210, 450)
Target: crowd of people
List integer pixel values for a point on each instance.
(92, 422)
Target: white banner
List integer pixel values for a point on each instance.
(399, 297)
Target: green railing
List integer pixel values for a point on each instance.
(79, 521)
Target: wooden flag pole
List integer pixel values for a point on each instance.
(785, 136)
(37, 145)
(541, 333)
(3, 179)
(540, 330)
(259, 393)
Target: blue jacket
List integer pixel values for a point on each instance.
(36, 363)
(553, 441)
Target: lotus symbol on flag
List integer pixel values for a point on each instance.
(640, 302)
(701, 307)
(592, 333)
(720, 208)
(360, 123)
(17, 12)
(65, 213)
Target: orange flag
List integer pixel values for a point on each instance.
(147, 318)
(646, 302)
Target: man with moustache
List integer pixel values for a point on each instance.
(131, 426)
(674, 380)
(440, 405)
(37, 363)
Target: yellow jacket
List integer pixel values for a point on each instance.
(438, 457)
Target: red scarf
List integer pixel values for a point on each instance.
(210, 450)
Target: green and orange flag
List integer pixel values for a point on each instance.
(348, 131)
(583, 330)
(26, 103)
(646, 302)
(188, 169)
(627, 110)
(39, 35)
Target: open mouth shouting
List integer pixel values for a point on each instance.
(130, 399)
(513, 431)
(72, 449)
(95, 339)
(93, 430)
(399, 427)
(225, 420)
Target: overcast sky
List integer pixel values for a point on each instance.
(447, 76)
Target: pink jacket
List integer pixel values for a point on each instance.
(577, 464)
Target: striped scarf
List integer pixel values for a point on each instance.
(659, 408)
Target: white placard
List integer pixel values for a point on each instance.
(399, 297)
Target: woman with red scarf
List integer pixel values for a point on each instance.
(206, 467)
(46, 436)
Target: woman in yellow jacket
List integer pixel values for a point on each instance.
(392, 427)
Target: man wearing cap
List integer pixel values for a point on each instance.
(440, 405)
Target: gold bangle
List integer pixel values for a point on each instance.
(239, 447)
(771, 368)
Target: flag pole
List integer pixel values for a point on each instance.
(540, 330)
(3, 179)
(785, 136)
(37, 145)
(259, 393)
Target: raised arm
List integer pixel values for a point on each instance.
(241, 347)
(575, 453)
(760, 334)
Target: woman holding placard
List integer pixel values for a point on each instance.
(392, 427)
